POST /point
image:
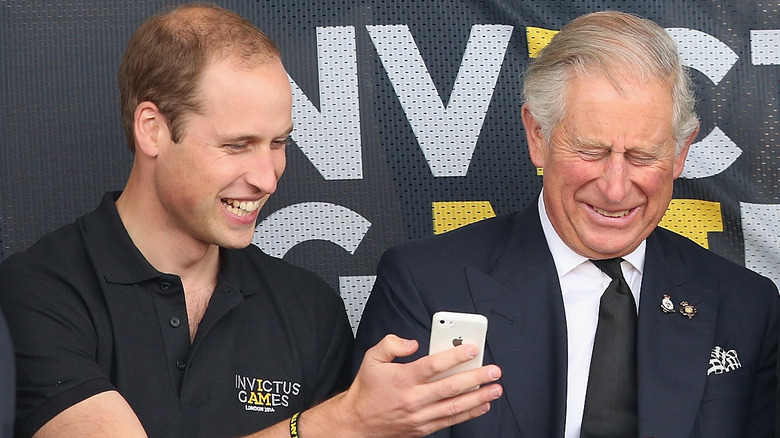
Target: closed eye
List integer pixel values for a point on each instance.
(592, 154)
(640, 159)
(234, 148)
(280, 143)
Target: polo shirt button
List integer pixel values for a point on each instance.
(175, 322)
(180, 364)
(165, 286)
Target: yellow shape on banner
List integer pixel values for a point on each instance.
(537, 38)
(454, 214)
(693, 219)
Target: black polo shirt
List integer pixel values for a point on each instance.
(87, 313)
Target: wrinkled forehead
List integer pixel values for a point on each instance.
(600, 112)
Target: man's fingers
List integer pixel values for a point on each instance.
(437, 363)
(465, 381)
(463, 407)
(402, 394)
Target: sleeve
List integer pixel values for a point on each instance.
(761, 420)
(54, 338)
(321, 330)
(396, 306)
(393, 307)
(7, 383)
(334, 375)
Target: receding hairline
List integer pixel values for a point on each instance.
(207, 19)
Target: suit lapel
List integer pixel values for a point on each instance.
(526, 327)
(673, 350)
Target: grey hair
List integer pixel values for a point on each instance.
(608, 44)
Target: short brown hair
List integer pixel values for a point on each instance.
(167, 55)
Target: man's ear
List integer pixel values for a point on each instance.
(150, 129)
(537, 145)
(679, 160)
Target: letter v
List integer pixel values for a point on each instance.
(447, 135)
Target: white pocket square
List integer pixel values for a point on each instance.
(722, 361)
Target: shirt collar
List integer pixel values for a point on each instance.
(112, 250)
(566, 259)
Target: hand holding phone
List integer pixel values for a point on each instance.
(450, 329)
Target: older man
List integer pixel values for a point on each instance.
(154, 316)
(604, 324)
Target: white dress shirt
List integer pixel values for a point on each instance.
(582, 284)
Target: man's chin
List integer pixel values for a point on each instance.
(611, 249)
(236, 242)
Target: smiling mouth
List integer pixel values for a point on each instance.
(241, 208)
(615, 214)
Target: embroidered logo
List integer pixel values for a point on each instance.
(722, 361)
(265, 395)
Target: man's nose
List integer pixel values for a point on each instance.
(262, 171)
(615, 181)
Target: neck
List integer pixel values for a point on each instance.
(164, 245)
(171, 250)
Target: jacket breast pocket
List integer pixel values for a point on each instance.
(727, 384)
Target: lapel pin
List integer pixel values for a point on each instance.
(687, 309)
(666, 304)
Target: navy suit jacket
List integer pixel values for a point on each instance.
(503, 269)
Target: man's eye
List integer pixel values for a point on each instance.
(235, 147)
(589, 155)
(280, 143)
(641, 159)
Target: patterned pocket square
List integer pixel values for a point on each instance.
(722, 361)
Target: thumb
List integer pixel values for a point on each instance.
(390, 347)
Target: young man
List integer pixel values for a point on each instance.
(154, 316)
(609, 116)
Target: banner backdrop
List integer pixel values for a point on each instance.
(407, 121)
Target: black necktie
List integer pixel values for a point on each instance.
(610, 401)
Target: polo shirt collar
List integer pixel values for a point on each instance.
(232, 269)
(113, 252)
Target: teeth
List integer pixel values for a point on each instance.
(620, 213)
(241, 208)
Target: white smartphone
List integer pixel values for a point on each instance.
(450, 329)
